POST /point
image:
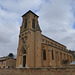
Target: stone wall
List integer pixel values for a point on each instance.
(38, 71)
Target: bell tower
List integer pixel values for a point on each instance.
(29, 47)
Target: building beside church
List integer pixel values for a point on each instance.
(36, 50)
(7, 62)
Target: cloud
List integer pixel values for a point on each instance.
(9, 31)
(19, 6)
(56, 18)
(10, 22)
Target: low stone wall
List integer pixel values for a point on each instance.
(38, 71)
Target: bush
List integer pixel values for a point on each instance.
(65, 62)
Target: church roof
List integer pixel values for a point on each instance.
(52, 40)
(5, 58)
(31, 12)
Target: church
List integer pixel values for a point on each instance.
(36, 50)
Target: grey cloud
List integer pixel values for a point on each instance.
(56, 20)
(19, 6)
(9, 31)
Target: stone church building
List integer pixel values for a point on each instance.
(36, 50)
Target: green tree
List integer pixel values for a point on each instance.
(65, 62)
(11, 55)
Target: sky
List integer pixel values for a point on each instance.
(56, 19)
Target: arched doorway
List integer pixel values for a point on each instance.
(24, 61)
(24, 57)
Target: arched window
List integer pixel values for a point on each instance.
(52, 55)
(24, 52)
(60, 56)
(44, 55)
(33, 23)
(25, 24)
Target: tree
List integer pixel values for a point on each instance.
(11, 55)
(73, 53)
(65, 62)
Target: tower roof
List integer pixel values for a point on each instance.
(31, 12)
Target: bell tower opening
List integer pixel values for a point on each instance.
(25, 24)
(33, 23)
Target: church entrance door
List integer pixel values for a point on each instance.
(24, 61)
